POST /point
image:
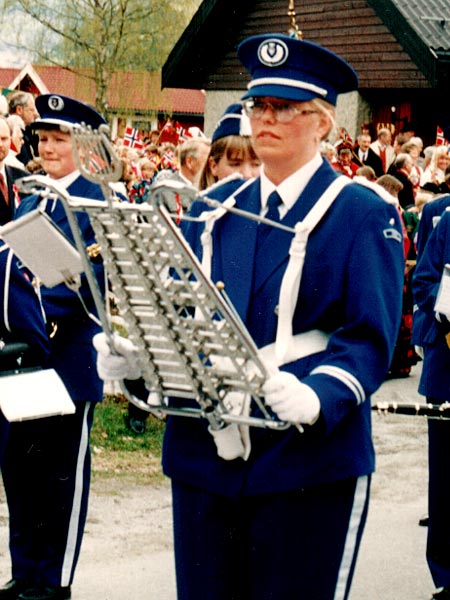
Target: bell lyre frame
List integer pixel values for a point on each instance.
(191, 343)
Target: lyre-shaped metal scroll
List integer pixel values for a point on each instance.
(192, 344)
(96, 157)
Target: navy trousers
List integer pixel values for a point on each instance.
(301, 544)
(438, 541)
(46, 475)
(4, 429)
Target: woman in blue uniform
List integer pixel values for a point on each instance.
(435, 385)
(22, 322)
(231, 149)
(46, 468)
(284, 518)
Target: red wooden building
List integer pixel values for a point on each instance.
(135, 98)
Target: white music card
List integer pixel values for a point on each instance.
(442, 304)
(43, 248)
(34, 395)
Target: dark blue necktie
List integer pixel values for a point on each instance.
(273, 213)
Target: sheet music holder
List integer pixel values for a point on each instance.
(43, 248)
(34, 394)
(442, 304)
(191, 342)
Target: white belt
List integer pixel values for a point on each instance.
(300, 345)
(233, 441)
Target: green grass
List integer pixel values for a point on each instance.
(117, 451)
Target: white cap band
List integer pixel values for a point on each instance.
(289, 83)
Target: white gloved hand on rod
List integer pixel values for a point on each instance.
(290, 399)
(119, 362)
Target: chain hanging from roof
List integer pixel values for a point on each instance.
(293, 30)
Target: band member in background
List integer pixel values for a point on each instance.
(46, 467)
(21, 321)
(231, 149)
(284, 517)
(432, 332)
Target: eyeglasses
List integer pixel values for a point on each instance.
(282, 111)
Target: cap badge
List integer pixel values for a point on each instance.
(55, 103)
(273, 53)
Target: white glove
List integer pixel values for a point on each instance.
(228, 442)
(419, 351)
(119, 362)
(291, 400)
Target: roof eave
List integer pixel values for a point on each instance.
(192, 59)
(188, 44)
(422, 55)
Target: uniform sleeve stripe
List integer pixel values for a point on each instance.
(345, 377)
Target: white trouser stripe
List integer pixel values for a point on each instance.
(359, 502)
(72, 534)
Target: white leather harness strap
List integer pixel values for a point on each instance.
(286, 346)
(210, 217)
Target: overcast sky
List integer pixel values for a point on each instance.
(12, 58)
(10, 25)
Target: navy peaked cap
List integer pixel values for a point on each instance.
(233, 122)
(62, 111)
(292, 69)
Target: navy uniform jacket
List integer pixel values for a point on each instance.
(352, 288)
(73, 355)
(435, 378)
(21, 317)
(422, 322)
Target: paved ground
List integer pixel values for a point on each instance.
(127, 550)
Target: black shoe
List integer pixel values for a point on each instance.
(423, 521)
(137, 426)
(12, 589)
(46, 593)
(442, 593)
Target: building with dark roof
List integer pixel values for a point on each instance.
(399, 48)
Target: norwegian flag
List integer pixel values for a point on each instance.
(132, 139)
(440, 138)
(346, 137)
(168, 160)
(169, 133)
(179, 209)
(183, 134)
(96, 163)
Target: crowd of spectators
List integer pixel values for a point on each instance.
(412, 175)
(420, 173)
